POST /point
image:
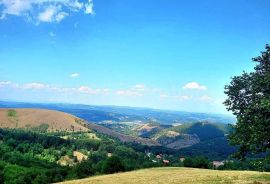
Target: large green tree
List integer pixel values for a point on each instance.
(249, 99)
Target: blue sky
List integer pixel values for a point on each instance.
(166, 54)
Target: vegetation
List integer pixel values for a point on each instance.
(12, 113)
(31, 157)
(171, 175)
(197, 162)
(249, 100)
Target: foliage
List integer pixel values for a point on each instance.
(262, 164)
(31, 157)
(249, 99)
(197, 162)
(214, 149)
(113, 165)
(12, 113)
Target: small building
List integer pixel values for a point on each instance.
(217, 164)
(182, 159)
(109, 155)
(166, 162)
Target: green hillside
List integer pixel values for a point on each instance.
(32, 157)
(179, 176)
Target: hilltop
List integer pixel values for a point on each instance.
(172, 175)
(40, 119)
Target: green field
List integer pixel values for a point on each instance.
(178, 176)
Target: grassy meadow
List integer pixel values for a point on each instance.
(179, 176)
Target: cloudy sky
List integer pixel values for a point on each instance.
(166, 54)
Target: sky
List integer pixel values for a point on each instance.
(164, 54)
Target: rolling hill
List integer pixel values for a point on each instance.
(178, 176)
(52, 121)
(48, 120)
(199, 138)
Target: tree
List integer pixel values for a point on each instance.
(113, 165)
(197, 162)
(249, 99)
(84, 169)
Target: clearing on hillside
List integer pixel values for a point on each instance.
(174, 175)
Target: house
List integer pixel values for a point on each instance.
(166, 162)
(158, 157)
(217, 164)
(109, 155)
(182, 159)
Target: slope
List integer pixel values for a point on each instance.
(40, 119)
(179, 176)
(54, 121)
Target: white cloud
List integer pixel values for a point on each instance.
(136, 90)
(44, 10)
(208, 99)
(164, 96)
(15, 7)
(128, 93)
(36, 86)
(73, 75)
(88, 90)
(5, 83)
(175, 97)
(52, 14)
(48, 15)
(183, 97)
(138, 87)
(194, 85)
(60, 16)
(89, 7)
(53, 88)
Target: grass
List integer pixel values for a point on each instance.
(12, 113)
(52, 121)
(174, 175)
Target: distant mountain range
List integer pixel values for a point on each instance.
(99, 114)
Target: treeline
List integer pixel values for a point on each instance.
(262, 164)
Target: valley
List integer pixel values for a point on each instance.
(67, 147)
